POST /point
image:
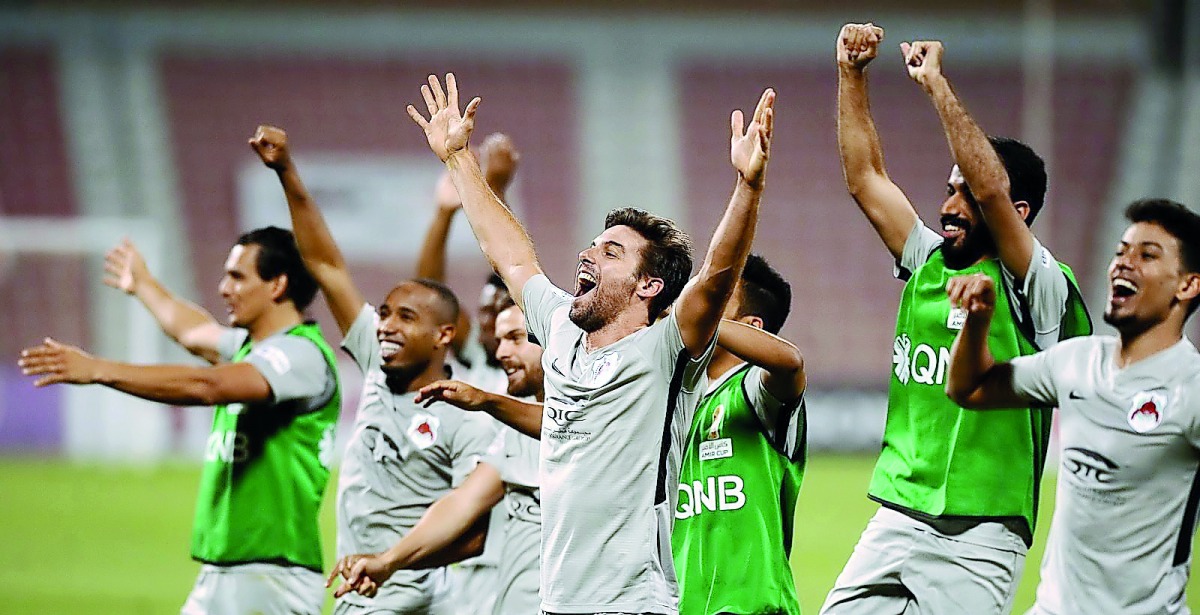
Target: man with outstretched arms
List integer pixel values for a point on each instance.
(621, 383)
(743, 461)
(474, 357)
(507, 477)
(955, 486)
(402, 456)
(1129, 421)
(275, 386)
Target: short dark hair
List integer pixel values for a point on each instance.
(278, 255)
(667, 257)
(447, 308)
(1026, 173)
(765, 294)
(1177, 220)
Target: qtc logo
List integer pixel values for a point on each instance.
(1089, 466)
(1146, 411)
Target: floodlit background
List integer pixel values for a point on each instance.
(131, 118)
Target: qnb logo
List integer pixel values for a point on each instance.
(719, 493)
(1089, 465)
(226, 447)
(922, 364)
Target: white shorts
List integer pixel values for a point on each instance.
(903, 566)
(268, 589)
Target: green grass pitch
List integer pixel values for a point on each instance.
(85, 539)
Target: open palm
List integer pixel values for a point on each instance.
(750, 149)
(446, 129)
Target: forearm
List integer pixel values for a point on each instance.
(185, 322)
(521, 416)
(503, 240)
(444, 522)
(177, 385)
(973, 153)
(970, 360)
(779, 358)
(858, 141)
(431, 263)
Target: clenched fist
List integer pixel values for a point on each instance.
(271, 145)
(858, 44)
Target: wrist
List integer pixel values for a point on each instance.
(851, 71)
(754, 186)
(458, 158)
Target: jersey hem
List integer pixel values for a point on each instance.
(1015, 524)
(277, 561)
(625, 607)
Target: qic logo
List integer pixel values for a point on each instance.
(923, 364)
(562, 412)
(718, 493)
(1089, 465)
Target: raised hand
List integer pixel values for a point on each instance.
(453, 392)
(500, 158)
(923, 59)
(271, 145)
(446, 129)
(750, 150)
(124, 268)
(57, 363)
(364, 575)
(976, 293)
(858, 44)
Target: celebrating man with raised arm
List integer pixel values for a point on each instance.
(402, 457)
(958, 490)
(275, 386)
(621, 382)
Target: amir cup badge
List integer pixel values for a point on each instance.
(1146, 411)
(422, 431)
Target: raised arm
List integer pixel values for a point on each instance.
(185, 322)
(432, 541)
(503, 240)
(702, 301)
(977, 160)
(975, 379)
(500, 160)
(780, 359)
(522, 416)
(317, 247)
(884, 204)
(180, 385)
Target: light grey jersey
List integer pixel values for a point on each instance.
(1129, 480)
(1042, 294)
(613, 425)
(401, 458)
(515, 458)
(293, 366)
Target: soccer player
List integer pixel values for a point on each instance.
(475, 342)
(507, 474)
(1129, 421)
(743, 461)
(402, 456)
(621, 383)
(958, 489)
(275, 386)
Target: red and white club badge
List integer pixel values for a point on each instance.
(1147, 410)
(423, 430)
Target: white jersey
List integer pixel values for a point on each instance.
(515, 457)
(1129, 480)
(613, 425)
(400, 460)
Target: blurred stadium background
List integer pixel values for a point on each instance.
(131, 119)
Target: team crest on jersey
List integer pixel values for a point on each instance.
(423, 430)
(1147, 410)
(603, 368)
(714, 446)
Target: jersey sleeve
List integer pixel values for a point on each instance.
(361, 342)
(1042, 295)
(921, 242)
(670, 352)
(541, 299)
(1033, 376)
(293, 366)
(231, 340)
(782, 423)
(472, 441)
